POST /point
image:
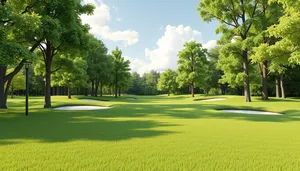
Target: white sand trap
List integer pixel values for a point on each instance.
(251, 112)
(81, 108)
(131, 98)
(91, 100)
(210, 100)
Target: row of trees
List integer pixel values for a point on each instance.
(51, 35)
(259, 38)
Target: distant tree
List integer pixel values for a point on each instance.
(191, 65)
(74, 75)
(167, 81)
(99, 67)
(150, 82)
(120, 70)
(137, 86)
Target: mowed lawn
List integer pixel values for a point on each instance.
(150, 133)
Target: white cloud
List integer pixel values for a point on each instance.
(99, 27)
(168, 46)
(210, 44)
(119, 19)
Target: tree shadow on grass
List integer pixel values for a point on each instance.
(199, 111)
(69, 126)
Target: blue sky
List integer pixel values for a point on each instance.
(137, 25)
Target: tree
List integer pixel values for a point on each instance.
(137, 86)
(99, 67)
(150, 82)
(236, 18)
(73, 75)
(17, 19)
(61, 32)
(167, 81)
(120, 70)
(192, 60)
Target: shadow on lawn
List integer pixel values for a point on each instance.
(198, 111)
(66, 126)
(109, 125)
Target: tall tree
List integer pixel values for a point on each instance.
(120, 70)
(236, 18)
(61, 31)
(167, 81)
(16, 19)
(191, 64)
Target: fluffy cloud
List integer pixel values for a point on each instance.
(168, 46)
(99, 28)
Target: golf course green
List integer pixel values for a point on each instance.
(150, 133)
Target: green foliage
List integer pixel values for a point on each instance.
(167, 81)
(191, 64)
(150, 81)
(121, 74)
(18, 82)
(72, 75)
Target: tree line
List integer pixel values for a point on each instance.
(51, 35)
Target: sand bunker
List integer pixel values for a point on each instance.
(251, 112)
(81, 108)
(210, 100)
(91, 100)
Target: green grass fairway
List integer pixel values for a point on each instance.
(150, 133)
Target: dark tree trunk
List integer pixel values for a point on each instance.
(246, 79)
(277, 87)
(282, 87)
(86, 92)
(168, 93)
(101, 89)
(119, 92)
(265, 95)
(48, 86)
(93, 88)
(2, 90)
(69, 92)
(96, 88)
(192, 90)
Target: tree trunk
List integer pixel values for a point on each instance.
(265, 95)
(93, 88)
(96, 88)
(282, 87)
(246, 79)
(69, 92)
(101, 89)
(2, 83)
(192, 90)
(86, 92)
(277, 87)
(168, 93)
(119, 92)
(48, 85)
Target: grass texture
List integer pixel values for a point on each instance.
(150, 133)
